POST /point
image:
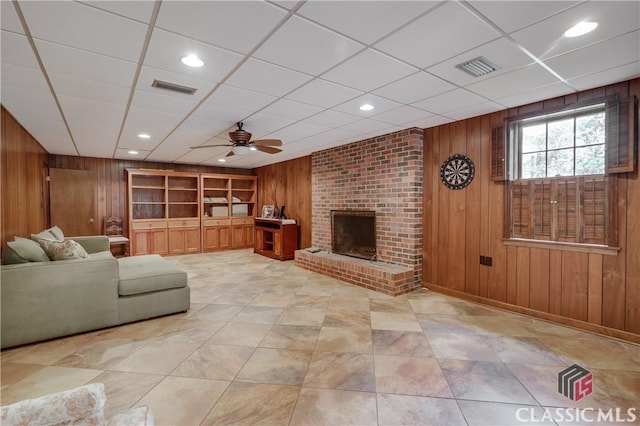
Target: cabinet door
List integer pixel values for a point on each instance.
(237, 234)
(216, 238)
(192, 240)
(225, 237)
(158, 239)
(248, 235)
(277, 243)
(176, 240)
(259, 240)
(140, 242)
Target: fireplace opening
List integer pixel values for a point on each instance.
(353, 233)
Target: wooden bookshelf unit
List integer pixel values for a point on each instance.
(275, 239)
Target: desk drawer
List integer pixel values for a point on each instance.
(184, 223)
(149, 224)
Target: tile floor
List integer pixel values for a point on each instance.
(268, 343)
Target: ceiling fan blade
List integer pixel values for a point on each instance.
(206, 146)
(230, 154)
(267, 142)
(268, 149)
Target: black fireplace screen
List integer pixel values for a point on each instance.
(353, 233)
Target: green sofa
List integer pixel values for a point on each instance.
(48, 299)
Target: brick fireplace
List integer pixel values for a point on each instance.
(383, 174)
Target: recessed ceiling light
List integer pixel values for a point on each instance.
(144, 135)
(581, 28)
(221, 160)
(366, 107)
(132, 152)
(192, 61)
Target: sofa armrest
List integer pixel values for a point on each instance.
(93, 243)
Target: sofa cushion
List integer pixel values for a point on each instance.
(149, 273)
(63, 250)
(23, 250)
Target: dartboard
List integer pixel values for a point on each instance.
(457, 171)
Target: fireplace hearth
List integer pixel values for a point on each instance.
(353, 233)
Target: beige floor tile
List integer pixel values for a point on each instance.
(219, 312)
(344, 339)
(11, 373)
(404, 343)
(418, 410)
(147, 359)
(461, 346)
(123, 390)
(214, 362)
(258, 315)
(102, 354)
(302, 316)
(523, 350)
(405, 321)
(334, 407)
(410, 376)
(48, 380)
(479, 413)
(349, 303)
(183, 401)
(291, 337)
(240, 334)
(254, 404)
(432, 306)
(389, 305)
(272, 300)
(595, 352)
(347, 371)
(342, 318)
(275, 366)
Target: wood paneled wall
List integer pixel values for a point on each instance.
(111, 179)
(290, 181)
(22, 200)
(593, 291)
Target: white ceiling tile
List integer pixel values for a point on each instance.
(546, 39)
(512, 82)
(514, 15)
(89, 66)
(414, 88)
(158, 101)
(91, 111)
(198, 156)
(23, 77)
(52, 134)
(320, 141)
(266, 78)
(41, 104)
(368, 70)
(132, 9)
(295, 132)
(157, 124)
(449, 101)
(475, 110)
(166, 50)
(149, 74)
(425, 123)
(611, 75)
(366, 21)
(235, 25)
(402, 115)
(292, 44)
(9, 20)
(232, 104)
(501, 52)
(421, 42)
(77, 25)
(380, 105)
(123, 154)
(194, 132)
(535, 95)
(65, 85)
(369, 127)
(16, 50)
(323, 93)
(94, 139)
(611, 53)
(330, 118)
(291, 109)
(260, 125)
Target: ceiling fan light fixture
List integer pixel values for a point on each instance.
(240, 149)
(192, 61)
(581, 28)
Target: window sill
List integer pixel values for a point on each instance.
(562, 246)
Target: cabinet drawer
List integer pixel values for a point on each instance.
(242, 220)
(217, 222)
(184, 223)
(149, 224)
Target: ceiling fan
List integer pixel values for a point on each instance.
(241, 143)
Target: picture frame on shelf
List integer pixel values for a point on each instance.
(268, 212)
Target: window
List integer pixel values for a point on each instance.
(559, 166)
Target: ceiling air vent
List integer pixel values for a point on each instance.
(173, 87)
(478, 67)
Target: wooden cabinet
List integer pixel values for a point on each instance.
(184, 236)
(275, 239)
(149, 237)
(216, 234)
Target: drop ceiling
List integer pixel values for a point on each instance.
(78, 74)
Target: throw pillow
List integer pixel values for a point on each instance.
(28, 250)
(44, 235)
(63, 250)
(57, 233)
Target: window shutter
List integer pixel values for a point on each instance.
(498, 160)
(567, 209)
(542, 209)
(594, 210)
(521, 209)
(621, 135)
